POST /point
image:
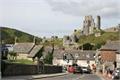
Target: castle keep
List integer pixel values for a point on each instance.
(89, 25)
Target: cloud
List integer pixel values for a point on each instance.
(106, 8)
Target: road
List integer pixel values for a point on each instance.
(74, 77)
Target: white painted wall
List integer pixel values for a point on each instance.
(118, 60)
(79, 62)
(84, 63)
(61, 62)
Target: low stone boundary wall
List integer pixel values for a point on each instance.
(13, 69)
(52, 69)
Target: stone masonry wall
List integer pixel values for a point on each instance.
(22, 69)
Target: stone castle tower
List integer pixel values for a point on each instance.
(98, 22)
(89, 25)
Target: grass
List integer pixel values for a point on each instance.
(22, 61)
(101, 40)
(8, 35)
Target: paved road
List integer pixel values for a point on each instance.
(74, 77)
(91, 77)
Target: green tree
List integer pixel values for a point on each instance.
(97, 46)
(49, 57)
(87, 46)
(38, 56)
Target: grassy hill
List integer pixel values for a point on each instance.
(101, 40)
(8, 36)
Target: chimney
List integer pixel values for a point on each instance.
(15, 39)
(34, 40)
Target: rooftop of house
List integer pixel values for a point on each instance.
(47, 50)
(23, 47)
(34, 50)
(112, 45)
(75, 54)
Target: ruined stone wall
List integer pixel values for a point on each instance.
(88, 25)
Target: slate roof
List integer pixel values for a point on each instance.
(23, 47)
(34, 50)
(83, 55)
(112, 45)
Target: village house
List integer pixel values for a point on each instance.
(26, 50)
(23, 49)
(82, 58)
(110, 55)
(29, 50)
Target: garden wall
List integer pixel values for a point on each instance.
(13, 69)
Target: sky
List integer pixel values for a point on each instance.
(56, 17)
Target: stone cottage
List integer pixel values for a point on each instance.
(26, 50)
(82, 58)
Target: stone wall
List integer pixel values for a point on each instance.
(22, 69)
(52, 69)
(19, 69)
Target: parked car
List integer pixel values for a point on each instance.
(86, 70)
(116, 74)
(70, 69)
(74, 69)
(77, 69)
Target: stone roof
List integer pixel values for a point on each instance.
(34, 50)
(112, 45)
(23, 47)
(82, 55)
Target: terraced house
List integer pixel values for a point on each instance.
(26, 50)
(82, 58)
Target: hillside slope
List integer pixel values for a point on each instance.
(8, 36)
(101, 40)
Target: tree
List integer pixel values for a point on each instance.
(97, 46)
(49, 57)
(38, 56)
(87, 46)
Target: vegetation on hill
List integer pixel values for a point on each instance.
(57, 42)
(8, 36)
(97, 42)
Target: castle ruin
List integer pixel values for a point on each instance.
(89, 25)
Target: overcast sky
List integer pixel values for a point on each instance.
(56, 17)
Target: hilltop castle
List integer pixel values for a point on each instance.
(89, 25)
